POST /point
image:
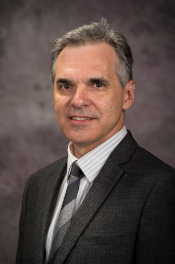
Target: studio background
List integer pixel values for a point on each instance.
(29, 135)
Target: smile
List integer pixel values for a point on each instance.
(80, 118)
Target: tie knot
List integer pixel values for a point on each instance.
(76, 171)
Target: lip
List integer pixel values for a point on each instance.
(80, 119)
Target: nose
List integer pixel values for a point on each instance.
(81, 98)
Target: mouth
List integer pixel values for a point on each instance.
(82, 118)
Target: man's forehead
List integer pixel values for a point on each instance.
(101, 49)
(87, 58)
(86, 63)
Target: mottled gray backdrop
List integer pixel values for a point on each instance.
(29, 135)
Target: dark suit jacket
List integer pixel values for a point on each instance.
(128, 216)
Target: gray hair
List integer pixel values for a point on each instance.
(95, 33)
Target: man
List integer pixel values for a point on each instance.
(123, 209)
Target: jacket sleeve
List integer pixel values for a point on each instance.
(156, 236)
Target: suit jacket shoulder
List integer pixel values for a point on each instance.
(49, 169)
(138, 160)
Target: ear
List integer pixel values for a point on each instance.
(129, 95)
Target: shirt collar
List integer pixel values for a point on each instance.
(92, 162)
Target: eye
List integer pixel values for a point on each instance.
(65, 86)
(98, 84)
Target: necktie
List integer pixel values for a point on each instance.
(66, 210)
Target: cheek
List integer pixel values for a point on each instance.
(60, 114)
(111, 107)
(60, 105)
(112, 111)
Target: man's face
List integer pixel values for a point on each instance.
(89, 101)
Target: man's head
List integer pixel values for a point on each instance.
(95, 33)
(89, 100)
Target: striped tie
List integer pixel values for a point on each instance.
(66, 210)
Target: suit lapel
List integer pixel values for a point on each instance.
(102, 186)
(48, 199)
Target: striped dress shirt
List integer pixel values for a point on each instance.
(91, 164)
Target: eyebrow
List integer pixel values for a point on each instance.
(62, 80)
(99, 80)
(91, 80)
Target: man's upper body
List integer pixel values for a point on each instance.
(126, 217)
(125, 212)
